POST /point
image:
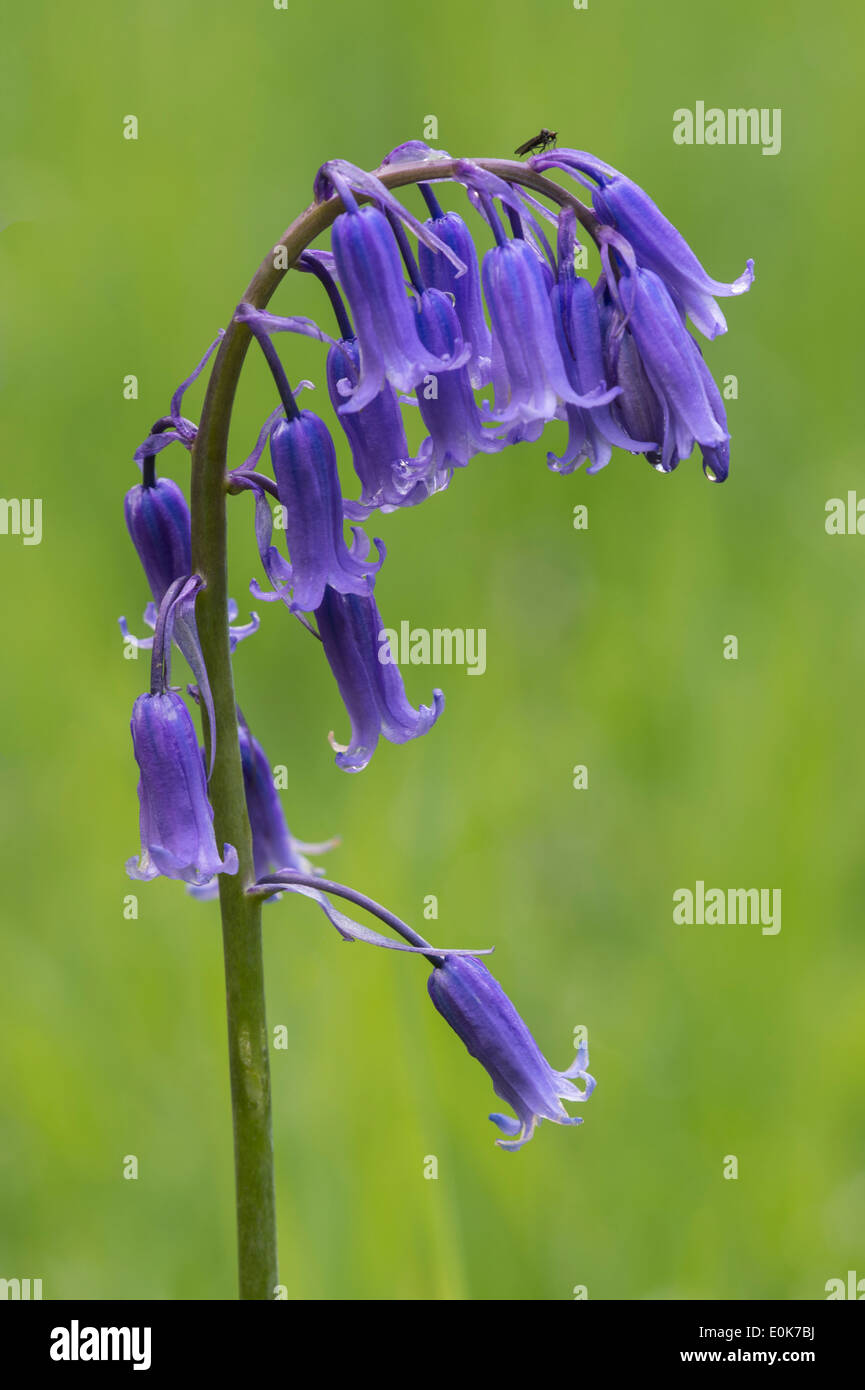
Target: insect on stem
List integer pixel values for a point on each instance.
(538, 143)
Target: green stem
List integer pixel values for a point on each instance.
(241, 918)
(248, 1041)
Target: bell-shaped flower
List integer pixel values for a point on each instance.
(481, 1014)
(273, 845)
(177, 838)
(639, 409)
(307, 480)
(367, 260)
(447, 403)
(528, 373)
(657, 244)
(376, 437)
(356, 646)
(591, 433)
(157, 518)
(671, 363)
(370, 272)
(639, 412)
(439, 273)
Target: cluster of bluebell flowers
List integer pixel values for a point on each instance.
(488, 348)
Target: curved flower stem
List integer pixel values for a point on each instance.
(241, 912)
(285, 878)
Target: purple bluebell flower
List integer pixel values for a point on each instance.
(447, 403)
(376, 437)
(638, 410)
(472, 1001)
(528, 373)
(670, 359)
(273, 845)
(277, 569)
(177, 838)
(438, 273)
(376, 434)
(367, 260)
(157, 518)
(591, 433)
(304, 465)
(657, 244)
(369, 681)
(370, 273)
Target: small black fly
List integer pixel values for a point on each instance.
(539, 142)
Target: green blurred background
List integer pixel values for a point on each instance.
(604, 648)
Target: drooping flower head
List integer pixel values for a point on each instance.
(477, 1008)
(657, 244)
(369, 681)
